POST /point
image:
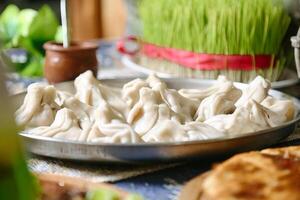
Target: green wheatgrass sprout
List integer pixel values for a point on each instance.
(244, 27)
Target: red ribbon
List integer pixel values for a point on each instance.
(202, 61)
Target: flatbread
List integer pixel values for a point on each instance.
(272, 174)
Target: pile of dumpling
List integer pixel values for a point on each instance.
(145, 111)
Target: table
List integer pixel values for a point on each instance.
(164, 184)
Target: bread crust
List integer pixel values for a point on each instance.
(271, 174)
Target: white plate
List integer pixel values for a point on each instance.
(289, 77)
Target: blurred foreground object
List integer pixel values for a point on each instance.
(16, 182)
(23, 33)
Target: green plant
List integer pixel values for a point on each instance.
(243, 27)
(28, 29)
(216, 26)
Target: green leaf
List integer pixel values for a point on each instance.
(44, 25)
(9, 24)
(26, 17)
(34, 67)
(102, 194)
(27, 43)
(59, 35)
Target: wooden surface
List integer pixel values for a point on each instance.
(92, 19)
(85, 19)
(56, 184)
(113, 18)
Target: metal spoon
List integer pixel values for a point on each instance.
(65, 23)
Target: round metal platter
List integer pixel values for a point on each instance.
(158, 152)
(289, 77)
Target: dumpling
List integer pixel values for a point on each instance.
(181, 105)
(84, 112)
(102, 115)
(130, 91)
(110, 127)
(113, 96)
(166, 128)
(88, 115)
(113, 133)
(144, 113)
(86, 88)
(65, 126)
(39, 106)
(91, 92)
(201, 131)
(155, 82)
(166, 131)
(246, 119)
(214, 105)
(223, 85)
(279, 111)
(218, 103)
(61, 96)
(257, 90)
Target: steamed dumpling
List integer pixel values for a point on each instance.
(144, 113)
(153, 81)
(113, 133)
(110, 127)
(87, 90)
(223, 85)
(219, 103)
(83, 112)
(39, 106)
(181, 105)
(279, 111)
(246, 119)
(162, 130)
(91, 92)
(201, 131)
(130, 91)
(65, 126)
(168, 129)
(257, 90)
(113, 96)
(102, 115)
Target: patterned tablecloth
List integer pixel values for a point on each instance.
(158, 181)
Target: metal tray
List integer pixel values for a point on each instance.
(288, 78)
(158, 152)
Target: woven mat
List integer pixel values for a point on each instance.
(92, 171)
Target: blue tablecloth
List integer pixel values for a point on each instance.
(166, 184)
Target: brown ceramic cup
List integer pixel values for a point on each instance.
(64, 64)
